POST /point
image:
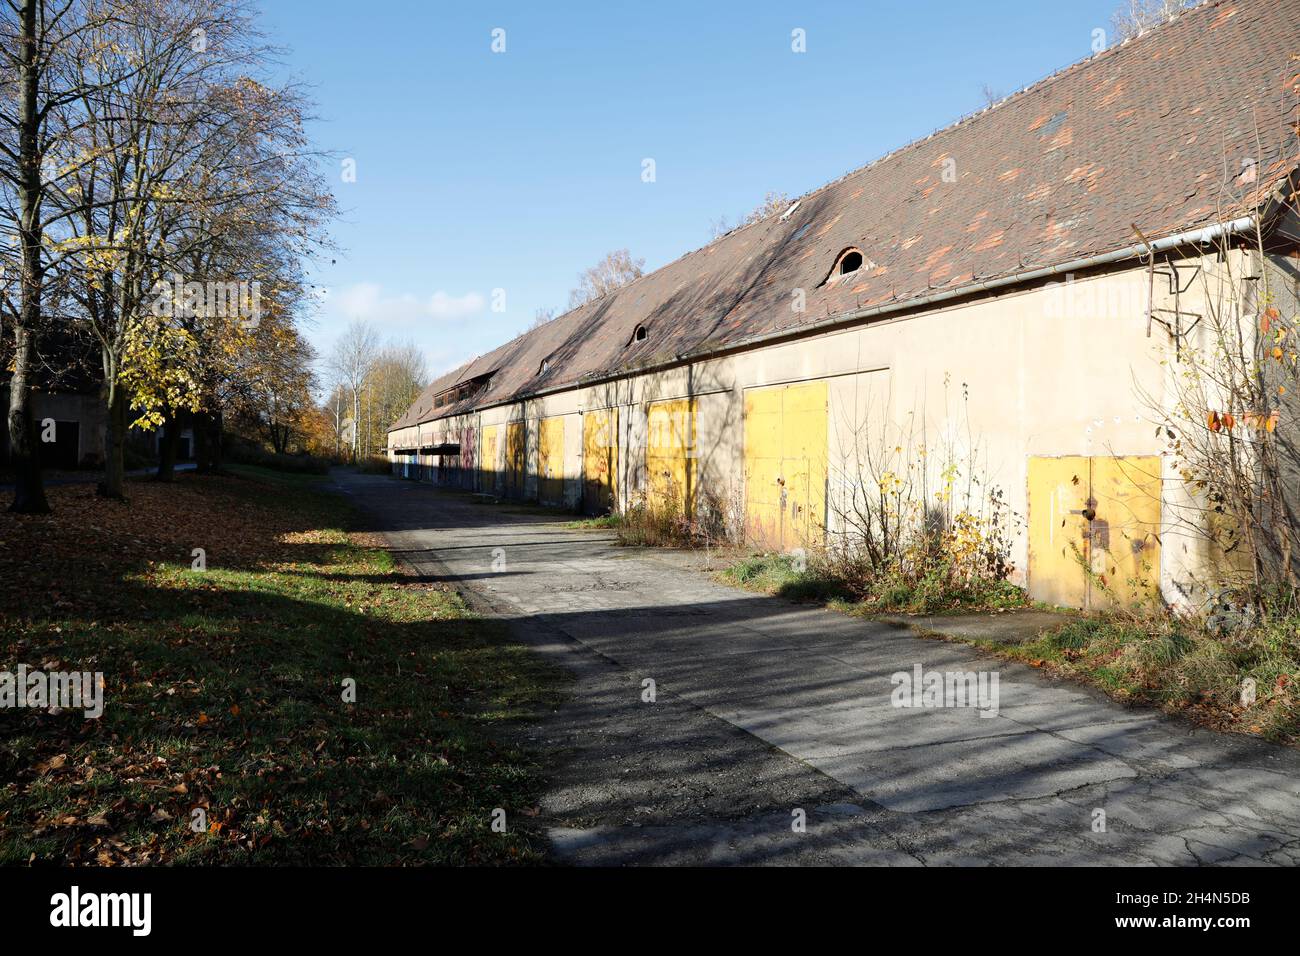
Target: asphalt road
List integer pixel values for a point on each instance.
(768, 715)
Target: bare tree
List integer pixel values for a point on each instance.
(541, 317)
(36, 40)
(396, 379)
(1232, 429)
(27, 55)
(337, 404)
(168, 148)
(990, 95)
(137, 146)
(352, 361)
(1138, 16)
(616, 270)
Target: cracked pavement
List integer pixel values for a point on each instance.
(766, 709)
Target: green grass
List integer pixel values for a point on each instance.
(224, 692)
(931, 595)
(602, 522)
(1175, 664)
(778, 574)
(271, 476)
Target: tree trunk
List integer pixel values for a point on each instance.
(200, 444)
(114, 483)
(214, 441)
(203, 443)
(29, 490)
(279, 438)
(356, 424)
(167, 445)
(338, 427)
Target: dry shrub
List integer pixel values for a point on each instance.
(917, 525)
(661, 519)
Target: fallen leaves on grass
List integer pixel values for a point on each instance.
(223, 690)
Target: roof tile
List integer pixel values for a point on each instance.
(1141, 132)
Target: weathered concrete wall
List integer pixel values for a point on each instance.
(1066, 369)
(1283, 291)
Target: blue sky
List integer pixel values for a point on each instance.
(478, 171)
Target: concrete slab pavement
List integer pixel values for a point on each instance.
(765, 708)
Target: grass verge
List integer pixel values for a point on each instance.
(224, 689)
(599, 523)
(1243, 683)
(786, 576)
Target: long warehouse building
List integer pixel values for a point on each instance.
(1016, 290)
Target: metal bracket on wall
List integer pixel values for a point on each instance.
(1177, 287)
(1174, 326)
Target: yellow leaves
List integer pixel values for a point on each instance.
(97, 255)
(160, 368)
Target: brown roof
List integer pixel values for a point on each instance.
(1152, 132)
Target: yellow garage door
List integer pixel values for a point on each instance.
(550, 461)
(516, 459)
(599, 459)
(1094, 530)
(489, 458)
(785, 465)
(670, 454)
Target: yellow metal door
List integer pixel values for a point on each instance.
(516, 443)
(599, 459)
(1094, 527)
(785, 464)
(1059, 489)
(1124, 551)
(763, 490)
(550, 461)
(670, 454)
(803, 463)
(489, 458)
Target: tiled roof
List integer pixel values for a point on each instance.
(1191, 123)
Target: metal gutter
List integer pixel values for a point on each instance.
(1190, 237)
(1193, 237)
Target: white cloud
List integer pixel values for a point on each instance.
(369, 301)
(448, 328)
(443, 306)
